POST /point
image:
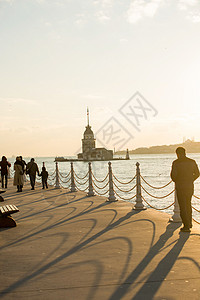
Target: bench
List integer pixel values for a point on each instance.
(5, 216)
(1, 198)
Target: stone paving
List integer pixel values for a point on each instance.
(69, 246)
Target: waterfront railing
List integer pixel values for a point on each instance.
(113, 188)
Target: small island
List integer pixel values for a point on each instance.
(89, 150)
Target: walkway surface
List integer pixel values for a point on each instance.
(69, 246)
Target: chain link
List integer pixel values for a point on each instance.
(126, 199)
(100, 180)
(157, 196)
(64, 181)
(80, 189)
(101, 188)
(196, 197)
(101, 194)
(81, 178)
(123, 190)
(64, 186)
(156, 207)
(154, 187)
(196, 209)
(63, 175)
(81, 183)
(196, 221)
(52, 173)
(123, 182)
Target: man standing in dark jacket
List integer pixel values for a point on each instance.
(4, 164)
(31, 169)
(184, 172)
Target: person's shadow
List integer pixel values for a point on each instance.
(147, 291)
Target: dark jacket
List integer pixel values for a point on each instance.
(33, 168)
(4, 164)
(44, 175)
(184, 172)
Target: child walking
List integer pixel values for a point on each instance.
(44, 174)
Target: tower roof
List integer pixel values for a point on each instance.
(88, 130)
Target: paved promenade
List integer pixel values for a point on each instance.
(69, 246)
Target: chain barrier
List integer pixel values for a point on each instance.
(101, 194)
(81, 183)
(52, 173)
(51, 179)
(196, 209)
(81, 178)
(196, 221)
(123, 182)
(114, 190)
(126, 199)
(80, 189)
(63, 175)
(196, 197)
(101, 188)
(157, 197)
(64, 181)
(98, 179)
(156, 207)
(123, 190)
(154, 187)
(64, 187)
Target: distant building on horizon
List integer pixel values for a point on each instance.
(89, 150)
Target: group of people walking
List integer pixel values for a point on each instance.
(21, 170)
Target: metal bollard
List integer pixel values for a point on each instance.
(111, 197)
(139, 204)
(176, 218)
(90, 192)
(57, 186)
(73, 188)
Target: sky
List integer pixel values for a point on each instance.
(134, 63)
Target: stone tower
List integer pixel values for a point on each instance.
(88, 141)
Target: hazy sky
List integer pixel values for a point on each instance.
(59, 56)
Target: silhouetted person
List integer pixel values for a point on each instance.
(23, 161)
(4, 164)
(19, 174)
(31, 170)
(184, 172)
(44, 174)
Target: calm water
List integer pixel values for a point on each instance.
(155, 168)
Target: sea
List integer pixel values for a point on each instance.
(154, 168)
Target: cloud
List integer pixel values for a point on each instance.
(191, 9)
(104, 10)
(102, 16)
(139, 9)
(185, 4)
(80, 19)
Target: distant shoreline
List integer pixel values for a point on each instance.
(190, 146)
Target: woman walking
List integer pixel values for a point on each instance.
(19, 174)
